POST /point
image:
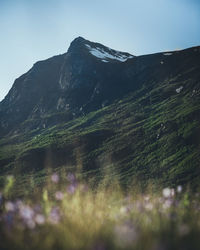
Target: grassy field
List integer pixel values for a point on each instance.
(68, 212)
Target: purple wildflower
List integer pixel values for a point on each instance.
(37, 208)
(10, 206)
(55, 178)
(18, 204)
(26, 212)
(71, 188)
(59, 195)
(54, 216)
(71, 177)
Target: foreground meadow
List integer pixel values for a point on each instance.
(69, 213)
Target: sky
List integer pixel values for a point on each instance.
(33, 30)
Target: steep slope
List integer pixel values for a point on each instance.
(139, 117)
(77, 82)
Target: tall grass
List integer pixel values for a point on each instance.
(70, 213)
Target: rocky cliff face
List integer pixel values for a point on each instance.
(85, 78)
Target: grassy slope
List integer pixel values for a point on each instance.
(151, 134)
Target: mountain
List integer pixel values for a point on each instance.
(99, 109)
(84, 79)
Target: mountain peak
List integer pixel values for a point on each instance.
(77, 43)
(79, 39)
(97, 50)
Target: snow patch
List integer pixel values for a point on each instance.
(168, 54)
(102, 54)
(178, 90)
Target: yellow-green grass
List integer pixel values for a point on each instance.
(70, 213)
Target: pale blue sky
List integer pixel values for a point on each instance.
(32, 30)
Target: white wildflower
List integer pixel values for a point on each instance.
(166, 192)
(40, 219)
(179, 189)
(10, 206)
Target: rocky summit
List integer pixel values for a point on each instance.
(86, 78)
(96, 107)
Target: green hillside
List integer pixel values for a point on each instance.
(151, 134)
